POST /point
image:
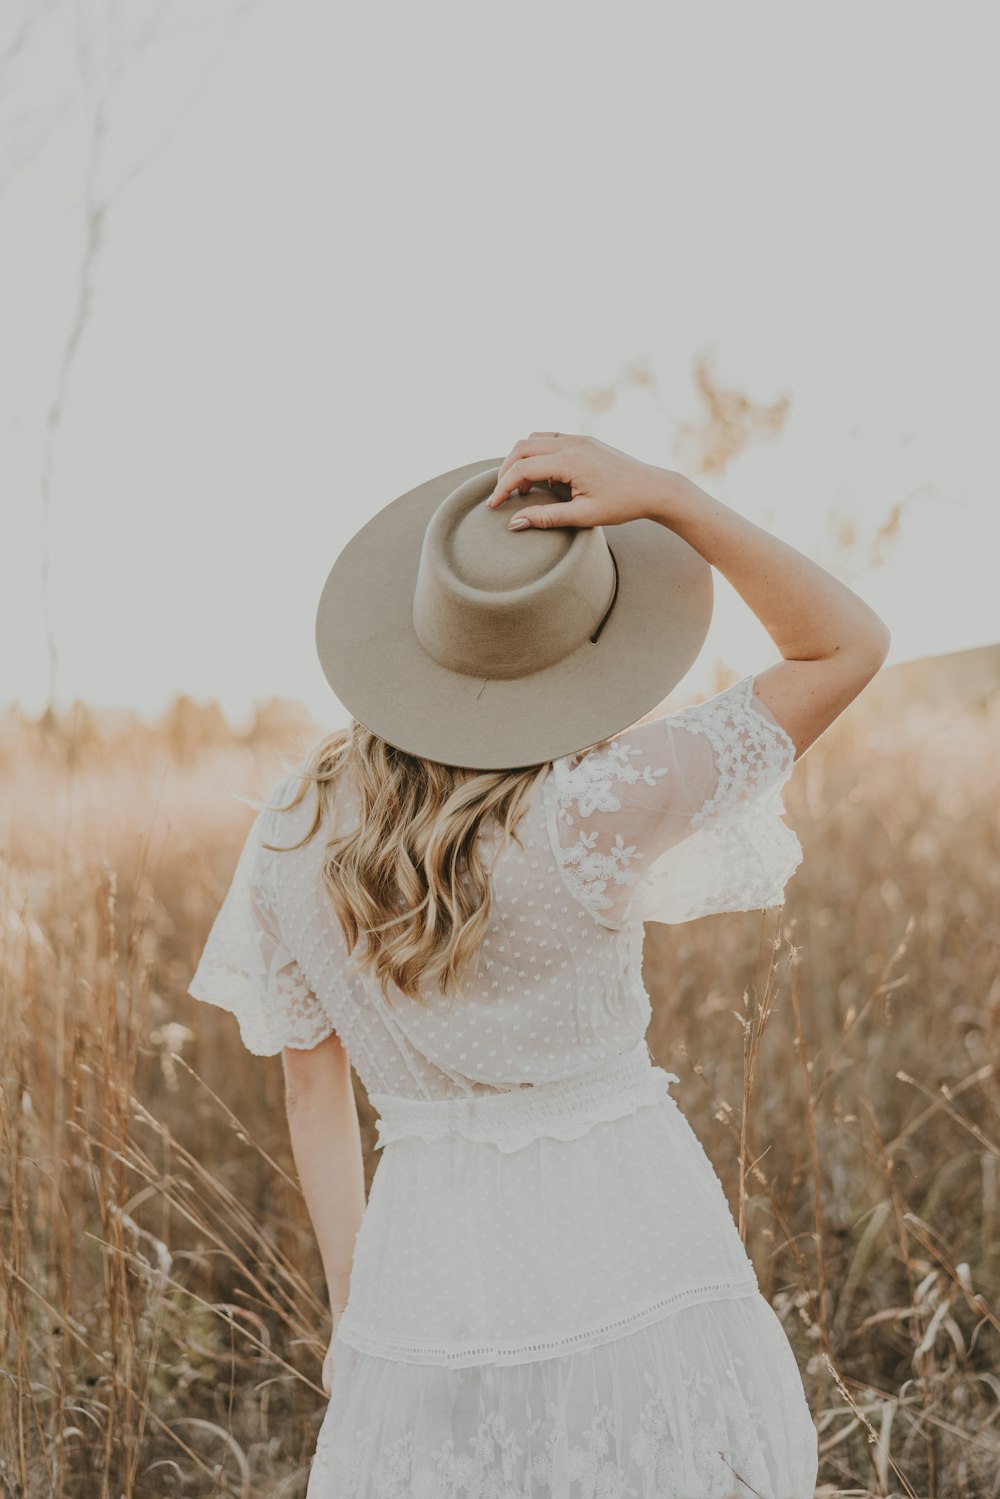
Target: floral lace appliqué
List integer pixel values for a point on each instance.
(590, 787)
(751, 751)
(677, 817)
(700, 1436)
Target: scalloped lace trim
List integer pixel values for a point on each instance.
(404, 1350)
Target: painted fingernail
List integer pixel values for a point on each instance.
(518, 523)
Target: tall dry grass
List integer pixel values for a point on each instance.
(162, 1298)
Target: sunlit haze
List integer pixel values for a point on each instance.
(341, 249)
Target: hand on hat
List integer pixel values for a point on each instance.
(608, 486)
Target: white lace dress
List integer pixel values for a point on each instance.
(549, 1296)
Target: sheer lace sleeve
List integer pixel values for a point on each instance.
(678, 817)
(245, 965)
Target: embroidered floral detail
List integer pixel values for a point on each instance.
(723, 1425)
(683, 1422)
(589, 786)
(587, 869)
(590, 783)
(716, 769)
(750, 749)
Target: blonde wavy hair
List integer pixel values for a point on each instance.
(410, 879)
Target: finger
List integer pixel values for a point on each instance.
(545, 517)
(531, 447)
(531, 470)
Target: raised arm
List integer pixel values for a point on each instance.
(832, 643)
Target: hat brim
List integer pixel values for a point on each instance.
(377, 667)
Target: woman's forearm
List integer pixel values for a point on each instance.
(326, 1143)
(808, 613)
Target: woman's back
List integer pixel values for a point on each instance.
(677, 817)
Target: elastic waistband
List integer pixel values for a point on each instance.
(563, 1110)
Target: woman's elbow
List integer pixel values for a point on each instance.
(865, 654)
(881, 640)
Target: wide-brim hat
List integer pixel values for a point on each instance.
(459, 640)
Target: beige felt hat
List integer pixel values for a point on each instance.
(461, 641)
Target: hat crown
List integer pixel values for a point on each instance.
(494, 603)
(436, 576)
(486, 555)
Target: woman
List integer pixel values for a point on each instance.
(546, 1293)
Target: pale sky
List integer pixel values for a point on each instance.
(347, 247)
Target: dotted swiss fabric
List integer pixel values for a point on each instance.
(678, 817)
(549, 1294)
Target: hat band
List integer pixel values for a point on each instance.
(614, 594)
(502, 639)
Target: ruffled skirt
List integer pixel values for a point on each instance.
(550, 1298)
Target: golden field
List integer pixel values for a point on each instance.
(163, 1317)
